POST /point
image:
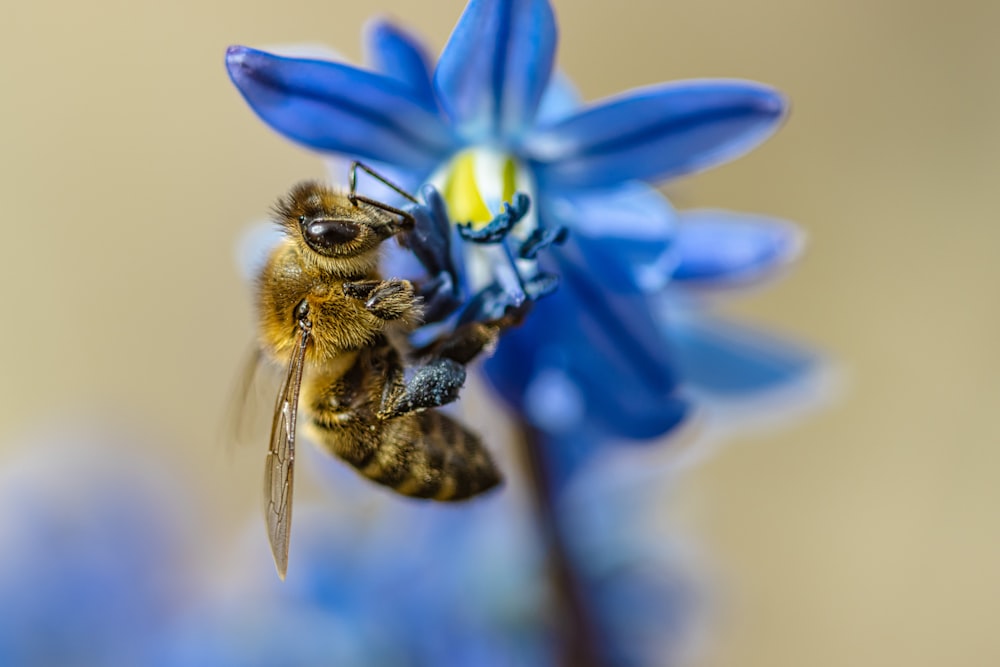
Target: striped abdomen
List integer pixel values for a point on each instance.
(423, 454)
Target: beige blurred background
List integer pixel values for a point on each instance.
(865, 535)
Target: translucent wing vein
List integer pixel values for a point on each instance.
(279, 468)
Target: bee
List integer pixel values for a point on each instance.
(340, 329)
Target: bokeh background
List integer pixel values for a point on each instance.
(865, 534)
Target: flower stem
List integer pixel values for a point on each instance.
(581, 634)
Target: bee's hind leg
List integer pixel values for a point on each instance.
(438, 381)
(472, 338)
(434, 384)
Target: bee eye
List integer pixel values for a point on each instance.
(326, 234)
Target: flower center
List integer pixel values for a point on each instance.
(476, 185)
(475, 177)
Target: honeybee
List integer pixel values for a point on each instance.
(340, 329)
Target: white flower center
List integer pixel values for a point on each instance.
(475, 184)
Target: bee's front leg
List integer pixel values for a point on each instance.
(385, 299)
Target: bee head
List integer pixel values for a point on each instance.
(329, 224)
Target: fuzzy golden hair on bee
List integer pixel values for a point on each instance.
(307, 198)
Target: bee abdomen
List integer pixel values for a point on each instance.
(429, 455)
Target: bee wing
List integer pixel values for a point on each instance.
(279, 468)
(240, 412)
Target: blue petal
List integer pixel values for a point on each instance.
(395, 53)
(496, 66)
(606, 352)
(335, 107)
(655, 133)
(723, 360)
(720, 248)
(400, 262)
(623, 235)
(560, 99)
(397, 260)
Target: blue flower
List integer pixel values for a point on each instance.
(405, 584)
(599, 359)
(89, 570)
(418, 585)
(94, 573)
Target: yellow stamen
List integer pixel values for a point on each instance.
(465, 203)
(465, 196)
(509, 179)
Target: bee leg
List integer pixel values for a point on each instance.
(463, 344)
(394, 389)
(434, 384)
(361, 290)
(439, 381)
(385, 299)
(470, 339)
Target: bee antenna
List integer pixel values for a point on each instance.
(407, 220)
(352, 181)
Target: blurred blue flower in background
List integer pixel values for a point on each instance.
(91, 567)
(398, 584)
(103, 564)
(411, 585)
(598, 360)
